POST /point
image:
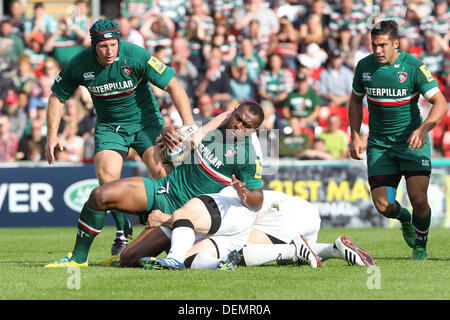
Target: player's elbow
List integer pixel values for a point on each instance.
(255, 199)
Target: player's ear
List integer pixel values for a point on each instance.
(396, 43)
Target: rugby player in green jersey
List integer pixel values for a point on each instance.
(229, 155)
(117, 75)
(398, 142)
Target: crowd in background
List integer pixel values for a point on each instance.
(294, 57)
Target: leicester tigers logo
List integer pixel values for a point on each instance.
(126, 70)
(402, 76)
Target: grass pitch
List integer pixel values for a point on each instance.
(24, 252)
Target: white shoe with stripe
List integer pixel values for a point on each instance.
(304, 254)
(352, 254)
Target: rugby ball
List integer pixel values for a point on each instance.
(177, 154)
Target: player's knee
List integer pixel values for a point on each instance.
(97, 199)
(383, 206)
(129, 257)
(419, 201)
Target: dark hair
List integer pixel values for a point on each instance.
(389, 27)
(255, 109)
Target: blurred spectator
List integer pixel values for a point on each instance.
(242, 87)
(316, 152)
(346, 44)
(72, 143)
(135, 10)
(26, 78)
(196, 38)
(88, 146)
(439, 21)
(70, 113)
(411, 25)
(66, 42)
(40, 95)
(303, 103)
(215, 82)
(81, 19)
(295, 140)
(255, 10)
(61, 155)
(32, 147)
(275, 81)
(204, 111)
(285, 44)
(291, 9)
(260, 42)
(269, 131)
(198, 12)
(225, 8)
(434, 55)
(17, 117)
(186, 74)
(51, 68)
(41, 22)
(312, 31)
(87, 124)
(364, 48)
(157, 31)
(317, 8)
(17, 17)
(9, 142)
(173, 9)
(335, 82)
(10, 43)
(347, 13)
(223, 39)
(250, 58)
(128, 33)
(35, 50)
(336, 140)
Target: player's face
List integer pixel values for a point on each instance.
(107, 51)
(242, 124)
(384, 49)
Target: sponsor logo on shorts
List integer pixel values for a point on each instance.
(425, 163)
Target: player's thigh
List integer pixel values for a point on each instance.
(127, 195)
(417, 186)
(108, 165)
(196, 211)
(203, 245)
(258, 237)
(381, 161)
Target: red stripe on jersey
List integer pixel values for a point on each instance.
(211, 173)
(393, 103)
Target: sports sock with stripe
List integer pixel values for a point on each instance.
(90, 224)
(421, 226)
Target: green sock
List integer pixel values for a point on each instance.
(121, 220)
(90, 224)
(421, 226)
(401, 214)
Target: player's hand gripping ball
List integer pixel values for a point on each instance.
(176, 155)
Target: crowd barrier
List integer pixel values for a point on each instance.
(39, 195)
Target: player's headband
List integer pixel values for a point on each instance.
(104, 30)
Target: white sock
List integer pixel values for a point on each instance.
(325, 251)
(182, 240)
(204, 260)
(257, 254)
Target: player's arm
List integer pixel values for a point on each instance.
(437, 113)
(252, 199)
(180, 100)
(54, 112)
(158, 218)
(215, 123)
(355, 114)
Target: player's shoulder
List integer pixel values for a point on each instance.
(368, 60)
(411, 60)
(132, 51)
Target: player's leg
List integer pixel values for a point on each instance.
(127, 195)
(108, 167)
(417, 186)
(150, 243)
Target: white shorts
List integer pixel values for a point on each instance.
(285, 217)
(235, 226)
